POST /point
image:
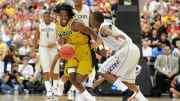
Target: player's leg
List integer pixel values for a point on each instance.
(129, 71)
(45, 63)
(77, 80)
(56, 88)
(91, 79)
(109, 69)
(174, 91)
(98, 82)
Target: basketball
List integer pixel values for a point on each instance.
(67, 51)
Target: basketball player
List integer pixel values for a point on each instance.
(82, 13)
(122, 65)
(47, 49)
(74, 32)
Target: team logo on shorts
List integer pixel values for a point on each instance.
(113, 66)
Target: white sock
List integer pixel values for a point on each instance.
(89, 83)
(61, 86)
(48, 85)
(72, 88)
(87, 95)
(55, 83)
(140, 97)
(120, 86)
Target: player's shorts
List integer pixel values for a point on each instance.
(46, 59)
(177, 86)
(82, 61)
(123, 63)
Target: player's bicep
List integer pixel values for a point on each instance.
(79, 27)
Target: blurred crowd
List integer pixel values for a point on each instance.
(160, 24)
(19, 69)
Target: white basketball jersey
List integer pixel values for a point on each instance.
(83, 15)
(113, 43)
(47, 34)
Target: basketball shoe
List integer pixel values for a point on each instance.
(129, 95)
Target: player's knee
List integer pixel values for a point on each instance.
(171, 90)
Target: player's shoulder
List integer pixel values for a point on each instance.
(85, 6)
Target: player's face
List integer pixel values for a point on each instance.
(47, 18)
(78, 2)
(64, 18)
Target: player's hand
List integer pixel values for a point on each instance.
(51, 45)
(94, 45)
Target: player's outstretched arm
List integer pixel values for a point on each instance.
(78, 26)
(106, 30)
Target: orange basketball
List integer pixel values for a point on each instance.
(67, 51)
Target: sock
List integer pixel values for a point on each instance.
(120, 86)
(47, 85)
(61, 86)
(87, 95)
(140, 97)
(89, 83)
(55, 83)
(72, 88)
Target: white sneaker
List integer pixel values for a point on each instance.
(93, 99)
(71, 95)
(61, 89)
(49, 95)
(56, 92)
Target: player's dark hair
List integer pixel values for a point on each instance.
(65, 7)
(98, 16)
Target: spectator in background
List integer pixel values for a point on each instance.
(26, 70)
(176, 41)
(19, 43)
(17, 34)
(166, 66)
(11, 36)
(154, 39)
(164, 40)
(9, 59)
(9, 9)
(172, 7)
(147, 51)
(173, 27)
(3, 45)
(169, 37)
(13, 79)
(157, 50)
(6, 37)
(146, 33)
(161, 6)
(2, 55)
(25, 50)
(37, 83)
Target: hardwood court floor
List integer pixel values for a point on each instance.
(41, 98)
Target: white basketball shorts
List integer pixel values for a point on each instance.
(123, 63)
(46, 59)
